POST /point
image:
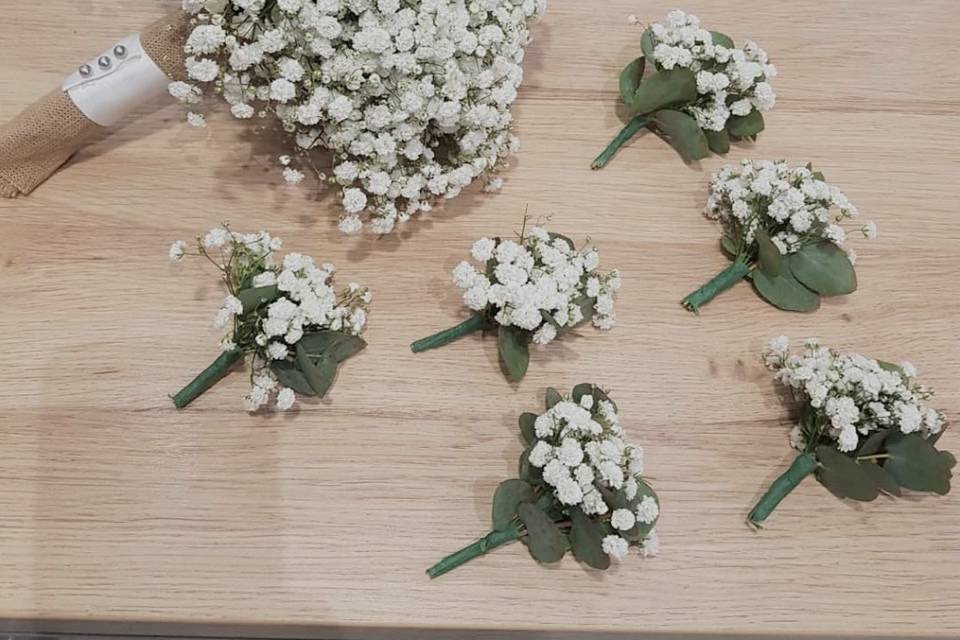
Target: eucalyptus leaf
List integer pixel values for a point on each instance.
(582, 389)
(559, 236)
(770, 261)
(785, 292)
(722, 39)
(586, 539)
(646, 44)
(873, 442)
(746, 126)
(949, 459)
(289, 376)
(514, 351)
(553, 397)
(319, 374)
(825, 268)
(683, 133)
(718, 141)
(844, 477)
(335, 344)
(600, 394)
(630, 78)
(527, 428)
(665, 88)
(889, 366)
(544, 539)
(506, 500)
(728, 246)
(883, 479)
(586, 305)
(252, 298)
(916, 464)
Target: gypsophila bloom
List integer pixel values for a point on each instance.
(580, 488)
(864, 427)
(413, 99)
(286, 316)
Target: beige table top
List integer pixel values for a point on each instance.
(115, 508)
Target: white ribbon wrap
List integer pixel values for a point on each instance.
(108, 93)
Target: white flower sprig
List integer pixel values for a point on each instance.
(413, 98)
(581, 487)
(287, 317)
(782, 227)
(865, 426)
(705, 90)
(531, 290)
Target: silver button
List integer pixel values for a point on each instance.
(85, 70)
(120, 51)
(104, 62)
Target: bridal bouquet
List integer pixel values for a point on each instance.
(529, 291)
(580, 487)
(779, 232)
(287, 317)
(864, 427)
(703, 91)
(412, 98)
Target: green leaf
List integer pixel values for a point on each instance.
(745, 126)
(514, 352)
(582, 389)
(559, 236)
(873, 442)
(586, 304)
(289, 376)
(729, 246)
(256, 296)
(718, 141)
(722, 39)
(916, 464)
(544, 539)
(663, 89)
(889, 366)
(553, 397)
(785, 292)
(770, 261)
(646, 44)
(319, 374)
(506, 499)
(527, 428)
(825, 268)
(600, 394)
(586, 539)
(630, 78)
(525, 470)
(844, 477)
(336, 344)
(882, 479)
(683, 133)
(949, 459)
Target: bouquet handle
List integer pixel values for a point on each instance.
(45, 135)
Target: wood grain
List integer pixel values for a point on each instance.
(119, 513)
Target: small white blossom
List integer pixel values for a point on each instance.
(615, 547)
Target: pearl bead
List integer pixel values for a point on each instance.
(104, 62)
(85, 70)
(120, 51)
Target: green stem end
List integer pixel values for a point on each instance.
(207, 378)
(476, 322)
(482, 546)
(717, 285)
(804, 465)
(631, 129)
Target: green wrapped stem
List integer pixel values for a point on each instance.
(476, 322)
(804, 465)
(207, 378)
(482, 546)
(717, 285)
(631, 129)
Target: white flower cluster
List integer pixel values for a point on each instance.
(411, 97)
(539, 284)
(307, 302)
(791, 203)
(852, 395)
(580, 448)
(730, 81)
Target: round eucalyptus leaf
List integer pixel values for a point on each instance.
(289, 376)
(785, 292)
(544, 539)
(586, 540)
(718, 141)
(844, 477)
(884, 480)
(683, 133)
(722, 39)
(770, 261)
(663, 89)
(630, 78)
(252, 298)
(646, 44)
(514, 352)
(527, 428)
(916, 464)
(506, 500)
(747, 126)
(553, 397)
(825, 268)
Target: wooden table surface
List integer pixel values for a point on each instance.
(118, 513)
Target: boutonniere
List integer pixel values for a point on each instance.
(413, 100)
(287, 317)
(580, 487)
(864, 427)
(531, 290)
(695, 88)
(779, 232)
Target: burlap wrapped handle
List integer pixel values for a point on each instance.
(47, 133)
